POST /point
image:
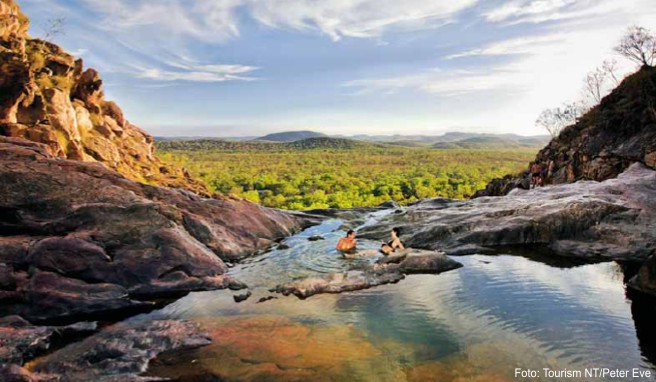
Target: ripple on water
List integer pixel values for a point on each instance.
(496, 313)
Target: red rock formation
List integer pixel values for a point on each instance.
(46, 96)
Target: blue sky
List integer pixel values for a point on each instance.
(249, 67)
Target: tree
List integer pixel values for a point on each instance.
(554, 120)
(601, 80)
(53, 28)
(638, 45)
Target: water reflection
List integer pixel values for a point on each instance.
(477, 323)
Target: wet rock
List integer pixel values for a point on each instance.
(390, 204)
(613, 219)
(390, 269)
(21, 341)
(81, 239)
(282, 246)
(267, 298)
(120, 352)
(242, 297)
(337, 283)
(470, 249)
(415, 262)
(316, 238)
(645, 280)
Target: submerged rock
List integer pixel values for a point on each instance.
(276, 348)
(613, 219)
(390, 269)
(242, 297)
(316, 238)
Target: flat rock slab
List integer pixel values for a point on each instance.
(389, 269)
(610, 220)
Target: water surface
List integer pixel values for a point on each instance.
(477, 323)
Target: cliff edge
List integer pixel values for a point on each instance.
(48, 97)
(615, 134)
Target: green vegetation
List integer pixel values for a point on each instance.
(305, 175)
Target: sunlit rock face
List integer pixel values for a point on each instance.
(47, 96)
(613, 219)
(612, 136)
(78, 238)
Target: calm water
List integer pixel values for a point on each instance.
(477, 323)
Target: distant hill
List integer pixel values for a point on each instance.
(224, 145)
(506, 141)
(291, 136)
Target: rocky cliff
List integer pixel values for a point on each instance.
(47, 96)
(83, 230)
(618, 132)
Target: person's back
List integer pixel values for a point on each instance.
(347, 243)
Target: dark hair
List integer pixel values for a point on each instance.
(396, 230)
(349, 232)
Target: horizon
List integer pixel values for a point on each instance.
(348, 135)
(245, 68)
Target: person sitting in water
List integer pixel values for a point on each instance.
(393, 244)
(347, 244)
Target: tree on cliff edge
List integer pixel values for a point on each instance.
(638, 45)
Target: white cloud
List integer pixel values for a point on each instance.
(521, 45)
(185, 69)
(217, 20)
(208, 20)
(523, 75)
(529, 8)
(356, 18)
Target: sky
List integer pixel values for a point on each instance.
(251, 67)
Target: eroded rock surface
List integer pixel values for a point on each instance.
(77, 238)
(387, 270)
(21, 341)
(613, 219)
(118, 353)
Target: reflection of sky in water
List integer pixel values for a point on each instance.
(500, 312)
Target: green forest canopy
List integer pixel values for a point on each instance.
(363, 175)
